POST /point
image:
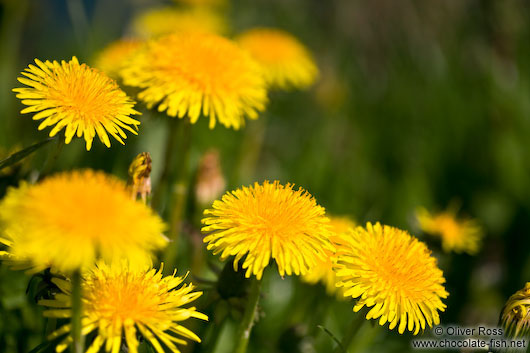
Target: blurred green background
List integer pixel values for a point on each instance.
(419, 103)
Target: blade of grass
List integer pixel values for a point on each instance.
(20, 155)
(333, 337)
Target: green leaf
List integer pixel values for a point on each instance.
(330, 334)
(40, 347)
(20, 155)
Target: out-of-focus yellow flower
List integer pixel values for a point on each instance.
(110, 60)
(167, 20)
(457, 235)
(210, 181)
(120, 303)
(286, 63)
(70, 219)
(140, 176)
(323, 270)
(268, 221)
(515, 316)
(394, 274)
(195, 73)
(75, 96)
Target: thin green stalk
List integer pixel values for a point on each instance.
(51, 326)
(79, 20)
(245, 327)
(217, 328)
(179, 193)
(251, 146)
(12, 19)
(353, 329)
(54, 156)
(169, 163)
(77, 313)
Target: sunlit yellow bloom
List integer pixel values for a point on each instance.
(190, 74)
(110, 60)
(75, 96)
(268, 221)
(70, 219)
(515, 316)
(285, 61)
(119, 303)
(394, 274)
(167, 20)
(323, 270)
(457, 235)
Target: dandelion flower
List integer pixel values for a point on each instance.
(515, 316)
(285, 61)
(323, 270)
(456, 235)
(186, 74)
(75, 96)
(394, 274)
(110, 60)
(167, 20)
(119, 303)
(70, 219)
(268, 221)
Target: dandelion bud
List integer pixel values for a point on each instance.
(140, 176)
(515, 316)
(210, 181)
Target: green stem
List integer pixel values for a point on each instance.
(80, 27)
(12, 20)
(250, 151)
(179, 193)
(54, 156)
(51, 326)
(169, 164)
(77, 313)
(245, 327)
(348, 337)
(217, 328)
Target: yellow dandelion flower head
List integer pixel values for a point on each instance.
(515, 316)
(286, 63)
(394, 274)
(457, 235)
(110, 60)
(186, 74)
(167, 20)
(80, 98)
(268, 221)
(119, 302)
(70, 219)
(323, 270)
